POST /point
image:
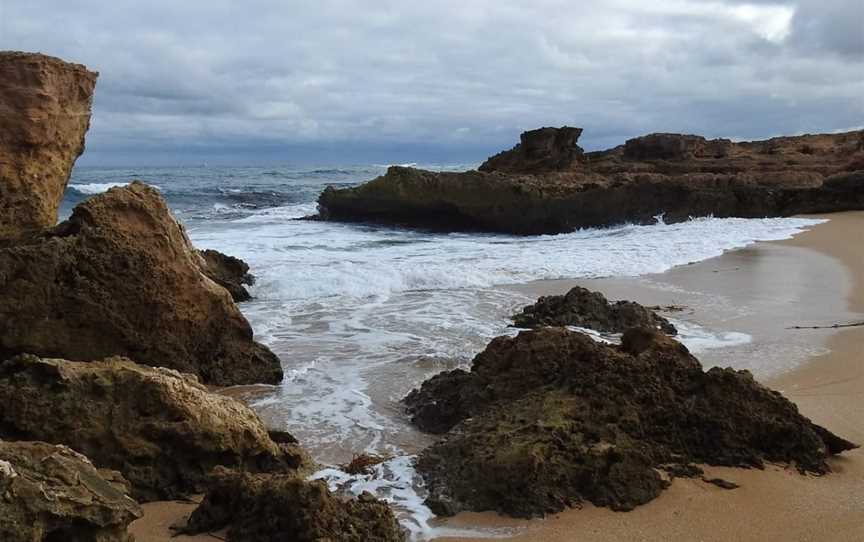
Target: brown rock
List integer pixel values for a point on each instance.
(679, 176)
(163, 430)
(228, 272)
(44, 114)
(550, 418)
(581, 307)
(541, 150)
(120, 277)
(275, 508)
(53, 493)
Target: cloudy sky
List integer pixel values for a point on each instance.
(443, 80)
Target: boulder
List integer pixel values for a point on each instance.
(44, 114)
(539, 151)
(551, 187)
(228, 272)
(53, 493)
(551, 418)
(274, 508)
(120, 278)
(581, 307)
(161, 429)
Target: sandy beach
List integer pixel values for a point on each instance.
(796, 285)
(815, 279)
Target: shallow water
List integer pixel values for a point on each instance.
(359, 314)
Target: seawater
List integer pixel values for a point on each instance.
(361, 314)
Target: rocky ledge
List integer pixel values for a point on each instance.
(583, 308)
(44, 114)
(551, 418)
(121, 278)
(548, 184)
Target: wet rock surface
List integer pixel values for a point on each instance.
(274, 508)
(120, 277)
(581, 307)
(50, 492)
(228, 272)
(551, 418)
(163, 430)
(546, 185)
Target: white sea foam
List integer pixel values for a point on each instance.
(98, 188)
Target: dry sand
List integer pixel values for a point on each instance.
(778, 285)
(776, 504)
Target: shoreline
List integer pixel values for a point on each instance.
(828, 387)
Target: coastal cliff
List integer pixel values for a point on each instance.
(547, 184)
(44, 114)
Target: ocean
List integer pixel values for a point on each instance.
(361, 314)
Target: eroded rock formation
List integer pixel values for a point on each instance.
(551, 418)
(53, 493)
(163, 430)
(228, 272)
(44, 114)
(120, 277)
(273, 508)
(545, 184)
(581, 307)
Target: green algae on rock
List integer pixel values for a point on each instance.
(161, 429)
(551, 418)
(50, 492)
(277, 507)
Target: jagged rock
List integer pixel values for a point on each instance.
(44, 114)
(679, 176)
(551, 418)
(273, 508)
(541, 150)
(163, 430)
(51, 493)
(228, 272)
(120, 277)
(581, 307)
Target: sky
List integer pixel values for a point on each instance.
(344, 81)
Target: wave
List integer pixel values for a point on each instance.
(97, 188)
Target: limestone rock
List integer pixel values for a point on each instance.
(228, 272)
(273, 508)
(581, 307)
(44, 114)
(53, 493)
(551, 418)
(120, 277)
(163, 430)
(557, 190)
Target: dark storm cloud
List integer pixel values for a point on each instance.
(460, 76)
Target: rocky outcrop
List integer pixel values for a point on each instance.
(551, 418)
(583, 308)
(161, 429)
(120, 278)
(273, 508)
(44, 114)
(538, 151)
(53, 493)
(550, 187)
(228, 272)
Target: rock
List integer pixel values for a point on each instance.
(550, 187)
(44, 114)
(120, 278)
(583, 308)
(541, 150)
(163, 430)
(551, 418)
(50, 493)
(228, 272)
(273, 508)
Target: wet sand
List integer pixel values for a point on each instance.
(817, 278)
